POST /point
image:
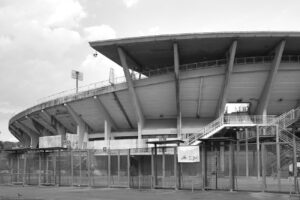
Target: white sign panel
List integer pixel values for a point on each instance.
(188, 154)
(50, 141)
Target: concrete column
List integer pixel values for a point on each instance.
(177, 88)
(107, 134)
(131, 89)
(139, 135)
(82, 128)
(62, 132)
(227, 79)
(266, 93)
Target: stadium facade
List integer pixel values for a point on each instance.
(219, 108)
(175, 86)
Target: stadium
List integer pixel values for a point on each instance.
(232, 99)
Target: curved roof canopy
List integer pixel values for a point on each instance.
(151, 52)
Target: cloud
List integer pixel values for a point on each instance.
(40, 43)
(102, 32)
(130, 3)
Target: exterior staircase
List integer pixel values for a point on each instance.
(283, 121)
(226, 121)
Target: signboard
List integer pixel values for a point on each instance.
(188, 154)
(50, 141)
(77, 75)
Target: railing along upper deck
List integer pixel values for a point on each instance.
(165, 70)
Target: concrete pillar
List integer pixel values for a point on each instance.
(62, 132)
(82, 136)
(266, 92)
(177, 88)
(82, 128)
(107, 133)
(139, 135)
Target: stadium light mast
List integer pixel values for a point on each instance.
(78, 76)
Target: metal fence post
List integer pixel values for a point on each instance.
(258, 152)
(89, 167)
(203, 166)
(72, 172)
(152, 170)
(54, 168)
(119, 166)
(163, 166)
(295, 163)
(247, 153)
(128, 168)
(263, 165)
(278, 158)
(231, 166)
(24, 168)
(18, 163)
(175, 167)
(59, 171)
(108, 169)
(40, 168)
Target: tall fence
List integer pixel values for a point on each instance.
(223, 166)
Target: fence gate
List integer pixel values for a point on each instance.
(80, 169)
(118, 163)
(164, 167)
(219, 167)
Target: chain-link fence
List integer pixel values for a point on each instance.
(234, 165)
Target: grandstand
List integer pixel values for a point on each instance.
(209, 88)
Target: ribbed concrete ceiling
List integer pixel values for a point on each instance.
(157, 51)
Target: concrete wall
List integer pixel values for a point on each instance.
(117, 144)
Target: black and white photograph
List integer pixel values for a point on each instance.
(149, 100)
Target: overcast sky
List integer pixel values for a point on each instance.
(41, 41)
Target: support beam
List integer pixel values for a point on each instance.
(45, 124)
(228, 71)
(132, 93)
(266, 93)
(105, 113)
(177, 88)
(43, 131)
(117, 100)
(20, 136)
(34, 136)
(82, 127)
(199, 97)
(52, 121)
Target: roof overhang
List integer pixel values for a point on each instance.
(151, 52)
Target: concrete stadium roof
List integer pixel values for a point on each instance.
(151, 52)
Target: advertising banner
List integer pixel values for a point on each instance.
(188, 154)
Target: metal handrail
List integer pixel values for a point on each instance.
(227, 120)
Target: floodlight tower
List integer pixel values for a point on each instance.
(78, 76)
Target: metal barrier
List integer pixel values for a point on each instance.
(223, 166)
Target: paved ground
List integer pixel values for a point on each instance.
(73, 193)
